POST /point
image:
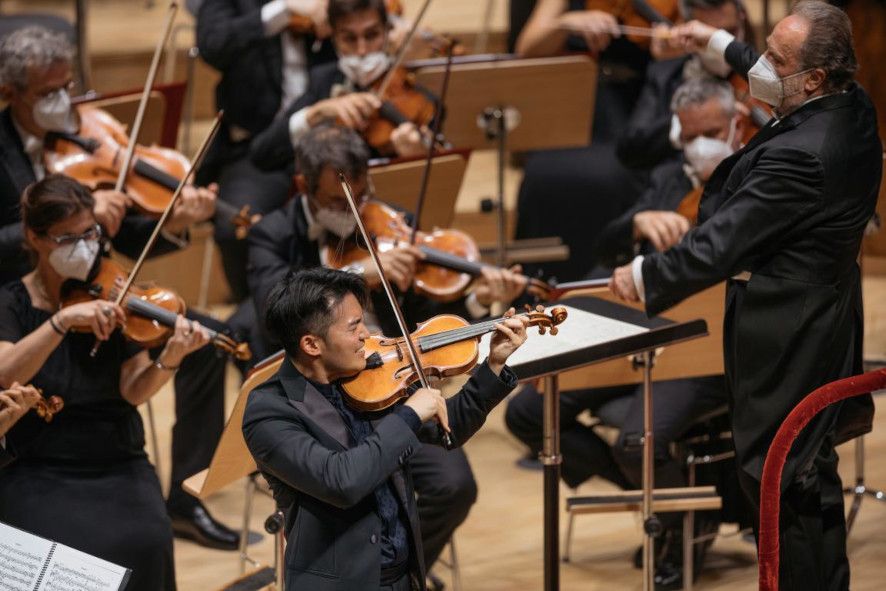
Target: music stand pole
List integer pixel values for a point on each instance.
(551, 459)
(651, 523)
(496, 127)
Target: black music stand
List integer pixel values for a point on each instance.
(595, 331)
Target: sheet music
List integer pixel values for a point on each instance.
(32, 563)
(580, 330)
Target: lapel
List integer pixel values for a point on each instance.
(306, 399)
(12, 154)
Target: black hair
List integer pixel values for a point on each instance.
(327, 145)
(339, 9)
(302, 303)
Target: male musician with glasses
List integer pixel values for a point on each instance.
(35, 77)
(344, 478)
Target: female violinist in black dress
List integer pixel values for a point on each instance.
(83, 479)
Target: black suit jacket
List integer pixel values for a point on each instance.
(16, 174)
(279, 244)
(668, 185)
(231, 39)
(324, 481)
(645, 141)
(791, 208)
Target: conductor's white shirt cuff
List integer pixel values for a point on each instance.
(274, 17)
(637, 274)
(298, 126)
(474, 307)
(719, 41)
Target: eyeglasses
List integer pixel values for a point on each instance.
(93, 233)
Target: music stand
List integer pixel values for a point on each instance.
(592, 335)
(399, 181)
(519, 104)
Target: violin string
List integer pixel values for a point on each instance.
(456, 335)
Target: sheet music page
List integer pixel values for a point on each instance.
(580, 330)
(21, 558)
(72, 570)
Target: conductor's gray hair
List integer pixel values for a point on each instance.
(31, 47)
(697, 91)
(828, 44)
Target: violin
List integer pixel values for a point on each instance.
(150, 310)
(94, 156)
(447, 344)
(638, 15)
(47, 408)
(401, 102)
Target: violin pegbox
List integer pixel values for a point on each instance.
(546, 322)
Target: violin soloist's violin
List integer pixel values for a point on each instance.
(94, 155)
(447, 346)
(151, 311)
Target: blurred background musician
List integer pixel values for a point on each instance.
(293, 238)
(264, 64)
(342, 91)
(589, 182)
(35, 76)
(84, 479)
(15, 401)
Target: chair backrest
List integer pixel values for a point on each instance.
(770, 484)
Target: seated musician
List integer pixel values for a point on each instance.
(342, 90)
(652, 133)
(294, 237)
(35, 76)
(342, 477)
(84, 479)
(710, 131)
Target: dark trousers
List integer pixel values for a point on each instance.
(677, 404)
(241, 183)
(445, 489)
(812, 528)
(199, 409)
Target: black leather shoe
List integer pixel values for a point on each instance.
(195, 523)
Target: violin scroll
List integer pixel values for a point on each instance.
(546, 322)
(46, 408)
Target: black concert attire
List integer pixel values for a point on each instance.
(281, 243)
(264, 67)
(84, 479)
(590, 183)
(199, 384)
(345, 480)
(784, 216)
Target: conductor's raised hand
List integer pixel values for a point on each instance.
(509, 334)
(429, 403)
(694, 36)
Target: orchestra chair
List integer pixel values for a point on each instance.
(770, 483)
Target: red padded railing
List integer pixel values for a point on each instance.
(770, 484)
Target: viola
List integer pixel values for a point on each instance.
(94, 156)
(47, 407)
(150, 310)
(447, 344)
(638, 14)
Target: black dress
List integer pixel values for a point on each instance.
(84, 479)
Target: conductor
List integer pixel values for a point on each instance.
(342, 477)
(782, 221)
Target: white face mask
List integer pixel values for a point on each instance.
(340, 223)
(704, 154)
(74, 261)
(768, 87)
(364, 70)
(53, 112)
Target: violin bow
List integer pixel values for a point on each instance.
(198, 159)
(389, 292)
(146, 93)
(436, 126)
(401, 52)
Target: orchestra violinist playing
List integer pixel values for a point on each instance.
(343, 477)
(83, 480)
